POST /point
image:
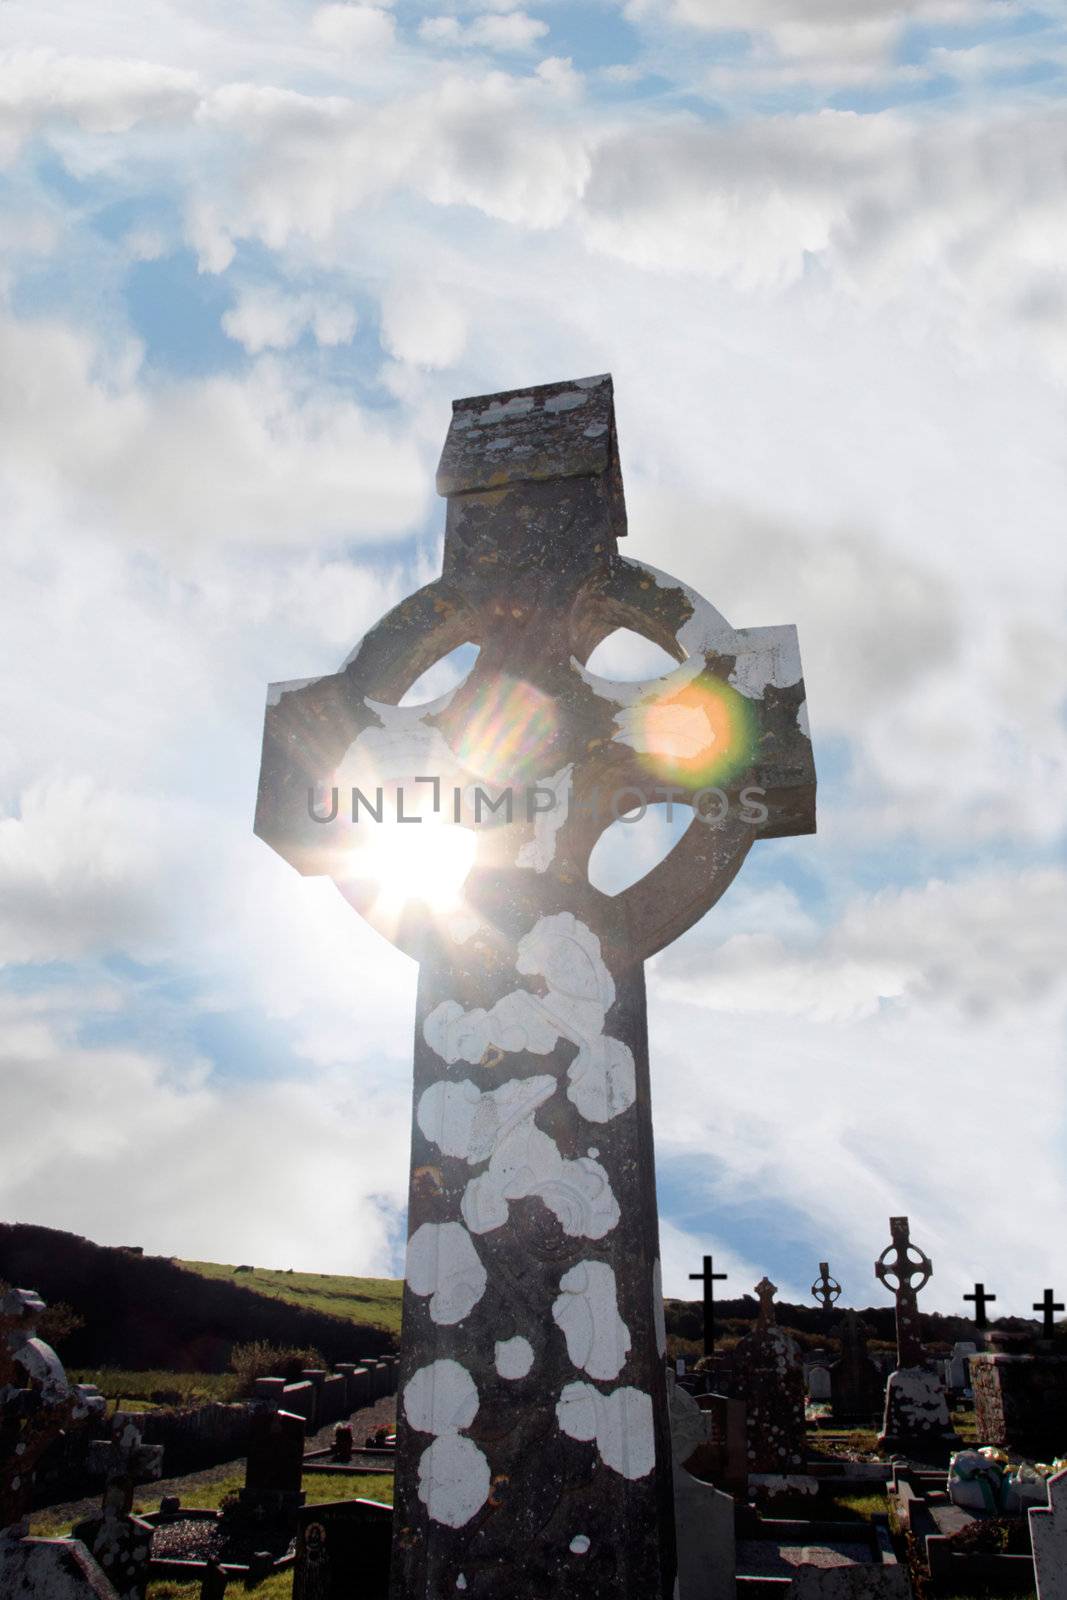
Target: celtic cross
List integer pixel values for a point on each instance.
(825, 1289)
(905, 1269)
(533, 1449)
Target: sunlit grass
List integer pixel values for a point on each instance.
(368, 1302)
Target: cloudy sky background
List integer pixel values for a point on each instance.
(249, 255)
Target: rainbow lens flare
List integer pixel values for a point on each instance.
(702, 735)
(511, 726)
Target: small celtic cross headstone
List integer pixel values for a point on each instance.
(825, 1289)
(905, 1269)
(1048, 1306)
(981, 1298)
(533, 1453)
(709, 1279)
(121, 1542)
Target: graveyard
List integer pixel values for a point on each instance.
(525, 1414)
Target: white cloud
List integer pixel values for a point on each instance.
(360, 28)
(511, 30)
(422, 324)
(265, 318)
(100, 96)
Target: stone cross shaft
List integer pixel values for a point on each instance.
(905, 1269)
(709, 1278)
(533, 1450)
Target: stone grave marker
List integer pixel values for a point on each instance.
(958, 1373)
(119, 1541)
(722, 1458)
(818, 1382)
(703, 1515)
(533, 1425)
(708, 1278)
(768, 1377)
(916, 1411)
(342, 1550)
(857, 1390)
(1048, 1535)
(274, 1466)
(826, 1290)
(1048, 1305)
(299, 1399)
(981, 1298)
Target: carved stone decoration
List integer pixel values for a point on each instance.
(916, 1417)
(532, 1421)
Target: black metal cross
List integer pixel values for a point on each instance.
(708, 1278)
(1049, 1306)
(981, 1298)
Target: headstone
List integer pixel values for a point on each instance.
(342, 1550)
(1020, 1400)
(213, 1584)
(121, 1542)
(856, 1386)
(722, 1458)
(270, 1389)
(532, 1373)
(916, 1419)
(333, 1399)
(342, 1442)
(299, 1399)
(818, 1379)
(981, 1298)
(50, 1569)
(708, 1278)
(958, 1376)
(769, 1379)
(826, 1290)
(703, 1515)
(274, 1465)
(1048, 1305)
(1048, 1536)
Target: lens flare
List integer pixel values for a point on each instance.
(703, 734)
(401, 864)
(511, 726)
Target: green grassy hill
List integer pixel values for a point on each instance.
(368, 1302)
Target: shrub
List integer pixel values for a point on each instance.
(262, 1360)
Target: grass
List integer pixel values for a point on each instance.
(368, 1302)
(137, 1388)
(321, 1488)
(847, 1505)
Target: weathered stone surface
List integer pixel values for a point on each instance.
(120, 1542)
(1020, 1402)
(818, 1381)
(275, 1463)
(1048, 1535)
(299, 1398)
(532, 1421)
(768, 1377)
(916, 1409)
(50, 1569)
(722, 1458)
(856, 1389)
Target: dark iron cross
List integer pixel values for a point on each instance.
(905, 1269)
(1048, 1307)
(825, 1289)
(533, 1446)
(981, 1298)
(709, 1279)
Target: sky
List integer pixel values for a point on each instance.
(249, 254)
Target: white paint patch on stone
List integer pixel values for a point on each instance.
(461, 1581)
(513, 1357)
(453, 1479)
(659, 1316)
(443, 1263)
(765, 656)
(566, 954)
(498, 1127)
(579, 1545)
(587, 1311)
(275, 691)
(453, 1472)
(802, 719)
(620, 1423)
(540, 851)
(440, 1398)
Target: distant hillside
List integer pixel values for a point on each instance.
(368, 1302)
(146, 1312)
(734, 1318)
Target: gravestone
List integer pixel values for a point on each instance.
(722, 1458)
(707, 1277)
(769, 1379)
(703, 1515)
(1020, 1395)
(981, 1298)
(532, 1426)
(1048, 1535)
(119, 1541)
(856, 1385)
(916, 1411)
(818, 1381)
(274, 1465)
(958, 1374)
(342, 1550)
(299, 1399)
(826, 1290)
